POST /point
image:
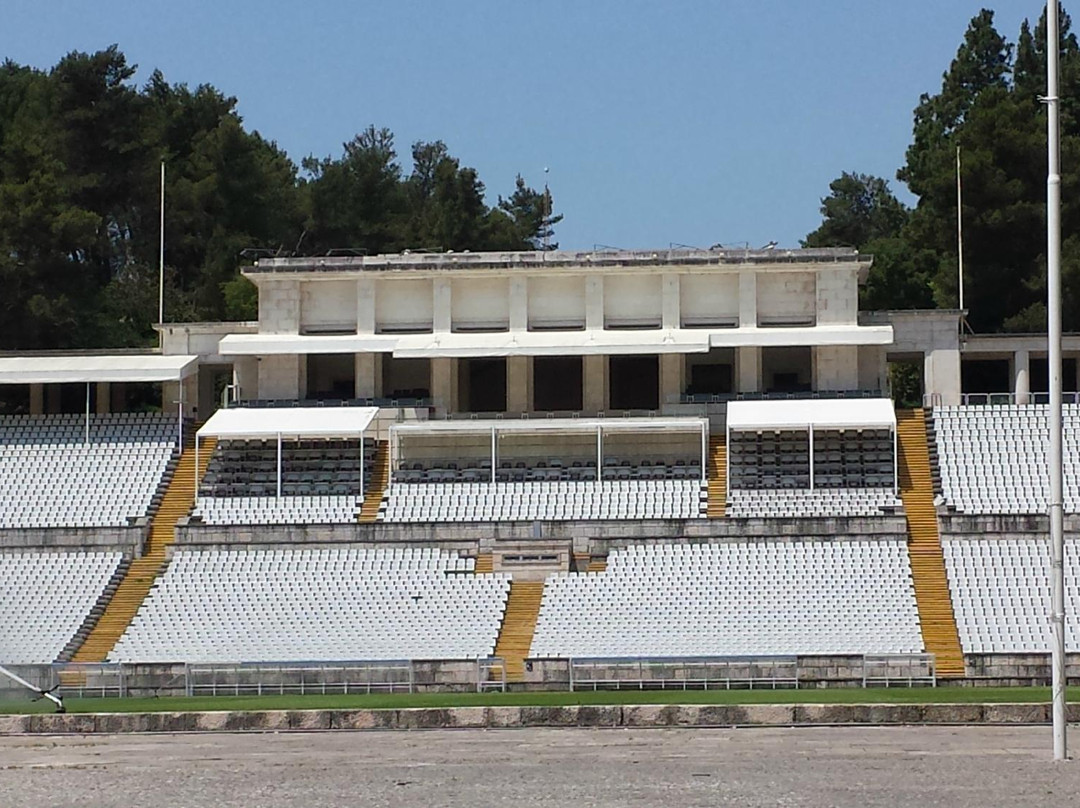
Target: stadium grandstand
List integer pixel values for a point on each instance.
(501, 466)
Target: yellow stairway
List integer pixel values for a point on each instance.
(129, 595)
(597, 565)
(518, 625)
(380, 476)
(485, 563)
(940, 636)
(717, 469)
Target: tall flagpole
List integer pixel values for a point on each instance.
(959, 230)
(1053, 318)
(161, 257)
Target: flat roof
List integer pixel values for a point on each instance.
(819, 413)
(292, 422)
(556, 258)
(541, 424)
(86, 368)
(274, 344)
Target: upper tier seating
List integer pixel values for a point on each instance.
(499, 502)
(338, 604)
(44, 598)
(51, 477)
(471, 470)
(842, 459)
(833, 502)
(274, 511)
(309, 468)
(993, 459)
(1001, 594)
(745, 598)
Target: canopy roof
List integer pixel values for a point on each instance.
(272, 344)
(551, 343)
(293, 422)
(819, 413)
(86, 368)
(565, 425)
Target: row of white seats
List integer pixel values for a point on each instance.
(274, 510)
(819, 502)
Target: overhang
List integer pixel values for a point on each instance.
(246, 423)
(782, 337)
(85, 369)
(551, 343)
(548, 425)
(818, 413)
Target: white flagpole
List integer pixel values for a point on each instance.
(959, 229)
(161, 253)
(1053, 317)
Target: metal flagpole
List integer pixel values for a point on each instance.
(959, 230)
(161, 256)
(1053, 318)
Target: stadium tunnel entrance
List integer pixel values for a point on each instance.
(634, 382)
(558, 383)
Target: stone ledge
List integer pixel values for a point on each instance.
(646, 715)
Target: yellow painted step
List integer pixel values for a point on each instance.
(144, 571)
(485, 563)
(380, 477)
(717, 476)
(930, 578)
(518, 626)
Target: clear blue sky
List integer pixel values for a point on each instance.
(691, 122)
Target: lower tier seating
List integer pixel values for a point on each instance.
(44, 598)
(835, 502)
(52, 476)
(274, 511)
(318, 605)
(744, 598)
(498, 502)
(1001, 594)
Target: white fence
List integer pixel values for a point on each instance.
(684, 673)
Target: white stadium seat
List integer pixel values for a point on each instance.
(337, 604)
(819, 502)
(738, 598)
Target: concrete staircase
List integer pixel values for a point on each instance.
(485, 563)
(597, 565)
(518, 625)
(376, 489)
(940, 636)
(717, 472)
(144, 571)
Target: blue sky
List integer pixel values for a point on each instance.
(688, 122)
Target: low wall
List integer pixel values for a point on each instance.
(128, 540)
(1003, 526)
(1009, 670)
(600, 716)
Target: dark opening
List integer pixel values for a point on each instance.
(14, 399)
(482, 385)
(985, 376)
(634, 382)
(406, 378)
(331, 376)
(1039, 376)
(710, 380)
(557, 383)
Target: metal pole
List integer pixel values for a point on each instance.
(161, 255)
(810, 430)
(704, 454)
(599, 452)
(86, 435)
(959, 230)
(279, 465)
(494, 453)
(1053, 317)
(57, 700)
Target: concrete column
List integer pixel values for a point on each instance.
(52, 399)
(365, 306)
(367, 375)
(748, 366)
(596, 383)
(519, 384)
(941, 375)
(441, 304)
(444, 383)
(246, 377)
(191, 396)
(669, 293)
(672, 375)
(836, 367)
(279, 306)
(37, 399)
(519, 305)
(1022, 381)
(594, 302)
(747, 299)
(280, 377)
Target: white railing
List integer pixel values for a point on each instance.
(992, 399)
(491, 674)
(899, 670)
(683, 673)
(303, 678)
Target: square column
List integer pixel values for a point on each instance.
(1022, 377)
(444, 383)
(748, 366)
(596, 383)
(519, 384)
(365, 306)
(672, 376)
(519, 305)
(670, 303)
(836, 367)
(368, 375)
(441, 304)
(748, 300)
(37, 399)
(280, 376)
(594, 302)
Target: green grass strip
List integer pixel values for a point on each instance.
(940, 695)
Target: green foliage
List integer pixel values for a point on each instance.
(988, 106)
(80, 154)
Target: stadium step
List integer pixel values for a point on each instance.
(144, 571)
(518, 625)
(376, 490)
(597, 565)
(717, 506)
(485, 563)
(936, 616)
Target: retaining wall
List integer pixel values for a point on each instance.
(101, 539)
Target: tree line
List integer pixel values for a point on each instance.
(989, 106)
(80, 153)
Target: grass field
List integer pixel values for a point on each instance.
(940, 695)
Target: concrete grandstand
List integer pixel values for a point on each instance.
(502, 463)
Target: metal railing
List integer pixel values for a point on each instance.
(491, 674)
(683, 673)
(899, 670)
(994, 399)
(302, 678)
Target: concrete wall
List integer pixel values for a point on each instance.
(127, 540)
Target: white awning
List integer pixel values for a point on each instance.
(272, 344)
(95, 368)
(819, 413)
(560, 425)
(551, 343)
(802, 336)
(293, 422)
